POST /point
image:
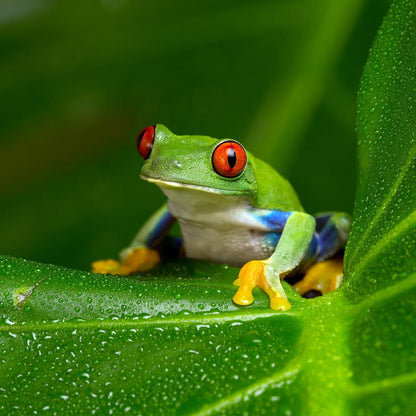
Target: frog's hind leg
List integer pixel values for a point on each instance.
(327, 273)
(322, 277)
(333, 230)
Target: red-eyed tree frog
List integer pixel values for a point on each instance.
(234, 209)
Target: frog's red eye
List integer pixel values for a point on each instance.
(229, 159)
(145, 141)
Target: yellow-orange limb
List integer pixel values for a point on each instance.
(139, 260)
(252, 275)
(325, 276)
(109, 266)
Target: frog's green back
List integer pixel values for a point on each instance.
(273, 191)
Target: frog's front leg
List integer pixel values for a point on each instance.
(327, 274)
(253, 274)
(291, 249)
(140, 255)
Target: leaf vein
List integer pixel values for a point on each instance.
(136, 323)
(393, 234)
(376, 387)
(387, 294)
(359, 248)
(284, 375)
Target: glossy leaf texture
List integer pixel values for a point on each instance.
(167, 343)
(172, 342)
(383, 236)
(380, 261)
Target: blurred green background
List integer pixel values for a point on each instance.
(79, 80)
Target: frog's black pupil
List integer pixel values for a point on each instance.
(232, 158)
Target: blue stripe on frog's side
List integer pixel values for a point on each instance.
(163, 225)
(274, 220)
(333, 229)
(327, 240)
(312, 250)
(270, 240)
(330, 235)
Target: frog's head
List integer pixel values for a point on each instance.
(196, 162)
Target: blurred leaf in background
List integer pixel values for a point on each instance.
(79, 80)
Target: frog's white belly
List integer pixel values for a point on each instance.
(217, 228)
(222, 245)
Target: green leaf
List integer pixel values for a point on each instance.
(172, 342)
(382, 242)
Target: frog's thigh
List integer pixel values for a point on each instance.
(325, 277)
(333, 233)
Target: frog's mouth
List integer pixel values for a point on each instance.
(178, 185)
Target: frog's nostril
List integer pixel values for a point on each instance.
(177, 163)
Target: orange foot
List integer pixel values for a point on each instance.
(252, 275)
(139, 260)
(324, 276)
